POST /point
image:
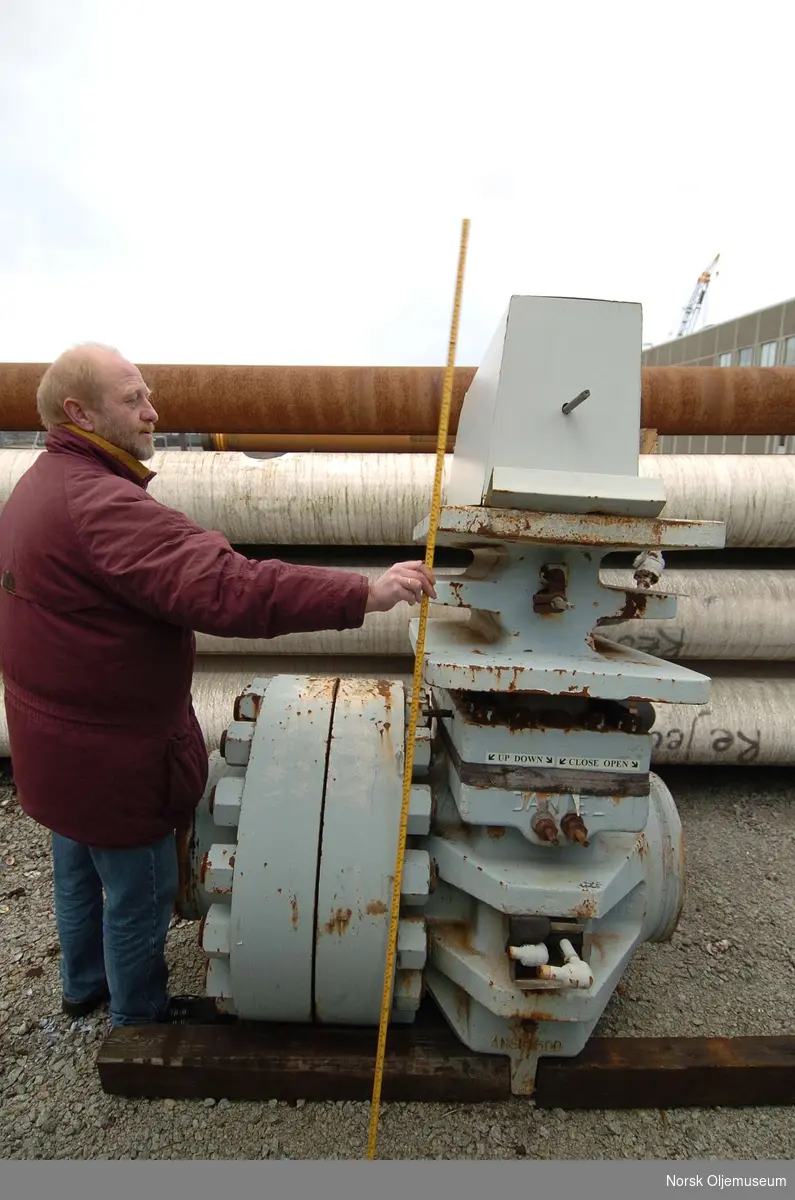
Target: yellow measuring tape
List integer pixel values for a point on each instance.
(441, 446)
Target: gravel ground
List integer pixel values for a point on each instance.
(729, 970)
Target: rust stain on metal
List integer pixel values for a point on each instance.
(247, 706)
(461, 1001)
(495, 831)
(551, 600)
(186, 847)
(586, 908)
(318, 687)
(456, 937)
(204, 865)
(294, 912)
(547, 711)
(634, 606)
(340, 919)
(600, 941)
(642, 846)
(375, 908)
(456, 590)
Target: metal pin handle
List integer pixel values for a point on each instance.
(572, 404)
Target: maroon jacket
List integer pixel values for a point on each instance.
(101, 588)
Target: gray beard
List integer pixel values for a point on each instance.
(131, 445)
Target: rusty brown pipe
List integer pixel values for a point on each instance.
(325, 443)
(405, 401)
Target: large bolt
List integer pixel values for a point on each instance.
(236, 743)
(214, 932)
(226, 800)
(408, 991)
(249, 702)
(412, 944)
(574, 828)
(545, 828)
(420, 804)
(416, 882)
(218, 869)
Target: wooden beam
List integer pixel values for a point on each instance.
(696, 1072)
(427, 1062)
(263, 1062)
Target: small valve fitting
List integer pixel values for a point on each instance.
(574, 974)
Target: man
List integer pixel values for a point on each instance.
(101, 588)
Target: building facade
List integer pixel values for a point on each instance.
(765, 338)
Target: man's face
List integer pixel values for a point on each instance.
(126, 418)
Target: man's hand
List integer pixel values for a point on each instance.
(405, 581)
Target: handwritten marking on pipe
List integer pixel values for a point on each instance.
(721, 741)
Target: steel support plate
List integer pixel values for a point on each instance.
(273, 900)
(478, 525)
(361, 824)
(453, 660)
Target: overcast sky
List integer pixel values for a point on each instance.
(284, 183)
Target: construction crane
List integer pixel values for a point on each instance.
(694, 304)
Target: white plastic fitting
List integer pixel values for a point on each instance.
(575, 973)
(530, 956)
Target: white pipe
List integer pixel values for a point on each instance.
(530, 956)
(721, 614)
(575, 973)
(13, 465)
(748, 721)
(378, 499)
(753, 493)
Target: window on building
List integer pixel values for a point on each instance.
(725, 360)
(789, 352)
(768, 357)
(746, 357)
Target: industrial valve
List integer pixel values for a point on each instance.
(542, 851)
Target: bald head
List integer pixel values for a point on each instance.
(96, 388)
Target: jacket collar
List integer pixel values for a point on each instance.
(73, 440)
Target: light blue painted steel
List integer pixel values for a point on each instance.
(273, 899)
(507, 646)
(360, 828)
(473, 980)
(480, 526)
(539, 820)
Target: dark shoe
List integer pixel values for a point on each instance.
(81, 1008)
(194, 1010)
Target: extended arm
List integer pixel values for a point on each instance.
(161, 562)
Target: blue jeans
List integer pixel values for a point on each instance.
(118, 946)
